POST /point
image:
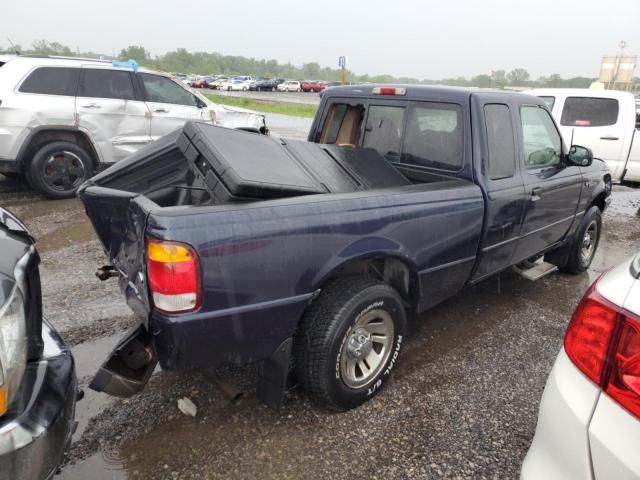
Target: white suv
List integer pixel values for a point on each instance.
(290, 86)
(62, 119)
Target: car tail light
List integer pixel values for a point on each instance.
(174, 273)
(603, 341)
(389, 91)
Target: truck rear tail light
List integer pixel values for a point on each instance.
(603, 341)
(389, 91)
(174, 273)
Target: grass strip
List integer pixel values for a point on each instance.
(283, 108)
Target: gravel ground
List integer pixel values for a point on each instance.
(462, 402)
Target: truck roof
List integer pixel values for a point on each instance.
(421, 92)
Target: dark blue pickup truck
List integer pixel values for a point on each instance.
(309, 256)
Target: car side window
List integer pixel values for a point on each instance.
(542, 142)
(502, 150)
(589, 112)
(103, 83)
(383, 130)
(52, 81)
(163, 90)
(434, 136)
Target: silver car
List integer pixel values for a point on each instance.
(589, 421)
(62, 119)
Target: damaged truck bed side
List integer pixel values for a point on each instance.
(309, 256)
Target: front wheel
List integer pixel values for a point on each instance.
(586, 242)
(348, 342)
(59, 168)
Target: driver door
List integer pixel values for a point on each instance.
(552, 188)
(171, 105)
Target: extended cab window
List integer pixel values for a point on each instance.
(52, 81)
(502, 150)
(589, 112)
(103, 83)
(342, 125)
(542, 142)
(163, 90)
(434, 136)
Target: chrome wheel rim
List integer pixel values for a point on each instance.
(63, 171)
(366, 348)
(589, 241)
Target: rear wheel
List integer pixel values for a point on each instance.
(348, 342)
(585, 243)
(59, 168)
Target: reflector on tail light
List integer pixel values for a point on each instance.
(173, 271)
(603, 341)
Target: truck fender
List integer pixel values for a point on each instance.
(376, 256)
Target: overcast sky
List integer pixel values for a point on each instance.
(424, 39)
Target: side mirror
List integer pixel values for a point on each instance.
(580, 156)
(200, 103)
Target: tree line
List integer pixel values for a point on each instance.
(183, 61)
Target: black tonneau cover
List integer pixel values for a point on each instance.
(238, 164)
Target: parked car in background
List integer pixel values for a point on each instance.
(269, 85)
(603, 120)
(315, 259)
(38, 387)
(217, 83)
(308, 85)
(202, 82)
(63, 119)
(318, 87)
(235, 84)
(290, 86)
(254, 85)
(589, 420)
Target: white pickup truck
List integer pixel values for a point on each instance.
(606, 121)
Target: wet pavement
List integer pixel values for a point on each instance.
(462, 402)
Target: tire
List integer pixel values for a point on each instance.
(59, 168)
(334, 342)
(586, 242)
(244, 89)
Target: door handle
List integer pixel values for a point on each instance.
(91, 105)
(160, 110)
(536, 193)
(609, 137)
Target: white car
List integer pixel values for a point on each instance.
(290, 86)
(62, 119)
(234, 84)
(589, 420)
(602, 120)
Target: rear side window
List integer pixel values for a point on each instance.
(589, 112)
(100, 83)
(383, 130)
(51, 81)
(434, 136)
(342, 125)
(502, 152)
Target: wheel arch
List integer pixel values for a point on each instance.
(393, 269)
(42, 135)
(600, 200)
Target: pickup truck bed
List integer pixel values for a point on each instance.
(223, 261)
